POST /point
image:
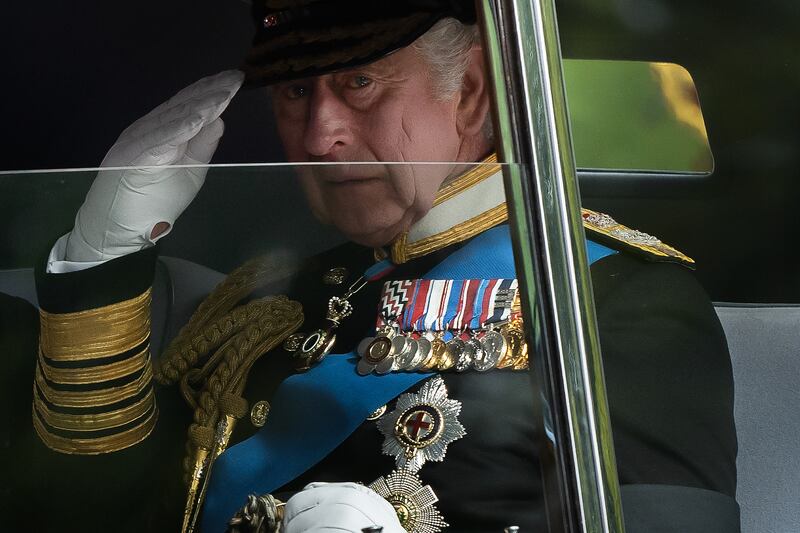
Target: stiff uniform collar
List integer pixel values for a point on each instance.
(475, 202)
(464, 207)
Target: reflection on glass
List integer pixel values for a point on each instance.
(442, 301)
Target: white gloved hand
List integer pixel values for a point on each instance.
(124, 206)
(338, 507)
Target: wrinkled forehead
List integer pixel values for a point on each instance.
(304, 38)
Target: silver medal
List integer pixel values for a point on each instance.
(402, 359)
(457, 349)
(494, 348)
(423, 350)
(362, 346)
(399, 345)
(477, 355)
(376, 355)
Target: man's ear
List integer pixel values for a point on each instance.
(473, 106)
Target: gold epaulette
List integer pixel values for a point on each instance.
(613, 233)
(93, 390)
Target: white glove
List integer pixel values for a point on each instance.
(124, 206)
(338, 507)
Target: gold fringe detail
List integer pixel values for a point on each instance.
(96, 333)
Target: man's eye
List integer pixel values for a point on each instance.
(359, 82)
(293, 92)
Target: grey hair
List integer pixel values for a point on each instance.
(446, 47)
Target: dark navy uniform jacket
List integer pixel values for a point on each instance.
(667, 371)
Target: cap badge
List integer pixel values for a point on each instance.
(277, 18)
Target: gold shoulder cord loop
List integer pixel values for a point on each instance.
(199, 334)
(211, 358)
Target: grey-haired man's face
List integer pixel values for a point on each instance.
(387, 111)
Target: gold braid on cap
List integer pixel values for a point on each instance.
(211, 358)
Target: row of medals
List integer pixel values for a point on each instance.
(497, 346)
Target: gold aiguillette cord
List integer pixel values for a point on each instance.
(204, 462)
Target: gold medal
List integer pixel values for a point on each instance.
(423, 352)
(429, 362)
(512, 333)
(521, 361)
(378, 350)
(444, 360)
(293, 342)
(320, 343)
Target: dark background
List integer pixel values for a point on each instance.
(76, 74)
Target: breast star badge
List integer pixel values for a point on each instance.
(421, 426)
(414, 503)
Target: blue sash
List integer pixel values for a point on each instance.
(314, 412)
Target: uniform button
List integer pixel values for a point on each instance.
(259, 412)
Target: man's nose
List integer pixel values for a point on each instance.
(328, 127)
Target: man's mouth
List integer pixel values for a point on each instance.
(347, 174)
(350, 181)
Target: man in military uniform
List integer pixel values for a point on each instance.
(432, 404)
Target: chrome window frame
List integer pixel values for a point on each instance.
(574, 444)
